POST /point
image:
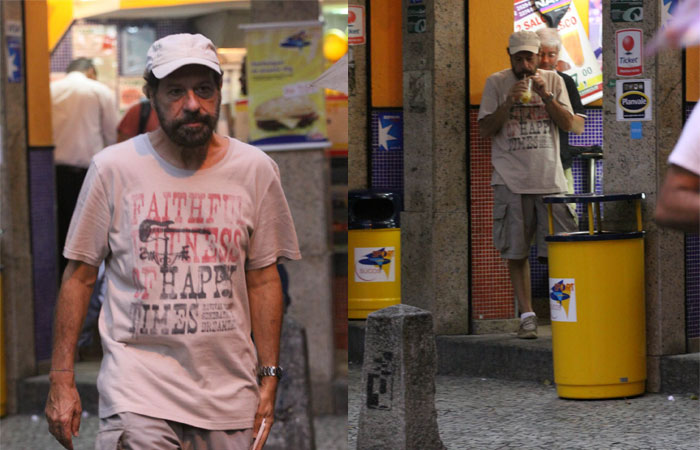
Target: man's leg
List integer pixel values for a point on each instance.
(519, 270)
(200, 439)
(514, 227)
(130, 431)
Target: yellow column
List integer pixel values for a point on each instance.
(37, 69)
(386, 53)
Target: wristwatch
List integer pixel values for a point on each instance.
(270, 371)
(548, 98)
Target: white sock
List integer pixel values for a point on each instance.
(525, 315)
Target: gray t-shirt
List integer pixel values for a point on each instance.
(175, 324)
(525, 151)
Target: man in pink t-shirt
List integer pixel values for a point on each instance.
(190, 225)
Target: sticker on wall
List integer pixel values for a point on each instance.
(14, 59)
(356, 25)
(668, 11)
(626, 10)
(562, 299)
(374, 265)
(417, 22)
(628, 52)
(635, 130)
(13, 29)
(633, 100)
(387, 130)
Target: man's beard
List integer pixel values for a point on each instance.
(186, 137)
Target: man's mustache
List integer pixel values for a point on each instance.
(195, 118)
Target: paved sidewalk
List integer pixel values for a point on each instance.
(486, 414)
(27, 432)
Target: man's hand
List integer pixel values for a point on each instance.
(678, 205)
(266, 307)
(539, 86)
(63, 408)
(63, 404)
(266, 409)
(516, 92)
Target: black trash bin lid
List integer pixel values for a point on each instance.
(368, 209)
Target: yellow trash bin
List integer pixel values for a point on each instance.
(596, 293)
(374, 252)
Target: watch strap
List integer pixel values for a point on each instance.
(270, 371)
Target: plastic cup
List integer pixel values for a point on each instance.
(527, 95)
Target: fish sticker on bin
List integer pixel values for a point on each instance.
(373, 264)
(562, 299)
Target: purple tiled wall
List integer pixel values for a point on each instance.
(387, 149)
(43, 218)
(692, 274)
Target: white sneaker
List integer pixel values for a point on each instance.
(528, 328)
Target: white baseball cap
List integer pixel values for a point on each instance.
(523, 41)
(168, 54)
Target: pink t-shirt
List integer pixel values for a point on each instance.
(175, 324)
(525, 151)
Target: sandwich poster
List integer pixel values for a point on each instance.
(576, 57)
(284, 110)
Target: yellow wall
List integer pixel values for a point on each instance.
(490, 24)
(692, 74)
(386, 54)
(37, 70)
(63, 12)
(60, 16)
(136, 4)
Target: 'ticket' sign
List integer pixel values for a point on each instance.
(628, 55)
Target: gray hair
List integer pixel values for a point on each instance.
(549, 37)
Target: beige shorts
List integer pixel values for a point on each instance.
(520, 218)
(126, 431)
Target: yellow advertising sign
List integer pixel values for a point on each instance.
(284, 110)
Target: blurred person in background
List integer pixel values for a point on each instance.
(84, 116)
(139, 118)
(678, 205)
(550, 46)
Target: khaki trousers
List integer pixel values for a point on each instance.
(130, 431)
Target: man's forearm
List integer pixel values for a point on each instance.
(678, 205)
(266, 310)
(71, 308)
(492, 124)
(559, 114)
(578, 124)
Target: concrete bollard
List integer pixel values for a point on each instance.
(293, 428)
(398, 379)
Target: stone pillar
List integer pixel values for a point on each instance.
(632, 165)
(15, 248)
(357, 115)
(398, 404)
(434, 229)
(306, 183)
(284, 10)
(294, 426)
